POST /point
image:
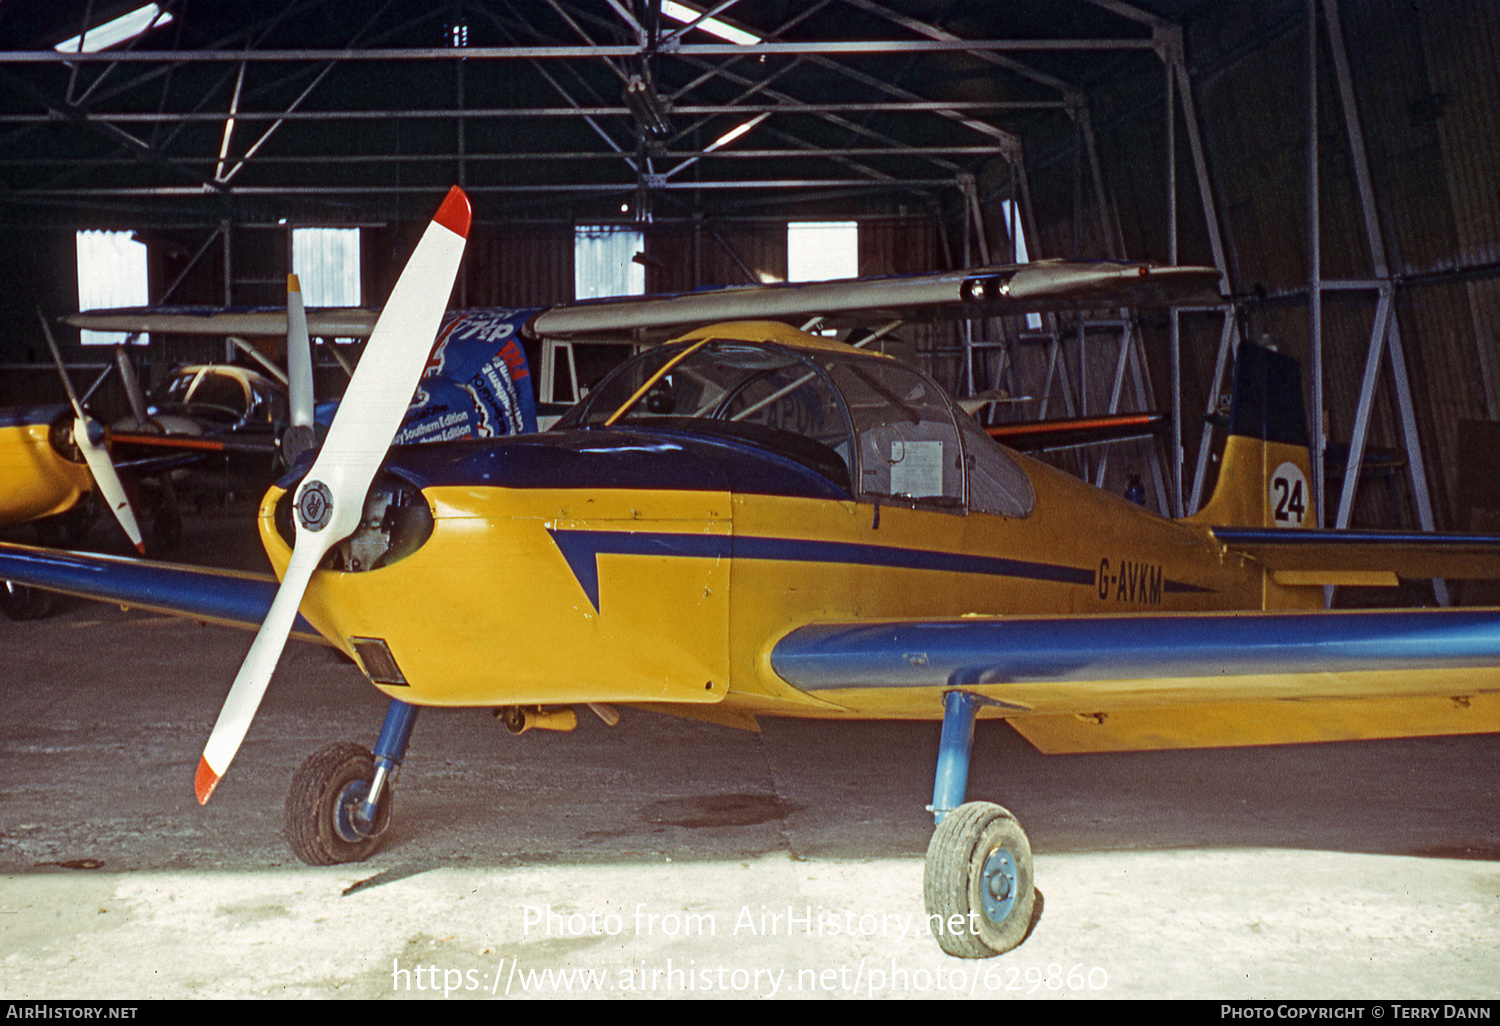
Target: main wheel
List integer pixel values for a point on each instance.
(20, 602)
(978, 882)
(320, 825)
(165, 532)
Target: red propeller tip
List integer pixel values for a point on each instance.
(454, 213)
(205, 782)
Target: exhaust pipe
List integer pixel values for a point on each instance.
(519, 719)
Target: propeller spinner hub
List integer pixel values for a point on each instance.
(315, 506)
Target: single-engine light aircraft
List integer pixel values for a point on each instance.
(752, 521)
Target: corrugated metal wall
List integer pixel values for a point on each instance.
(1427, 89)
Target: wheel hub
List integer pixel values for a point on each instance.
(998, 885)
(346, 822)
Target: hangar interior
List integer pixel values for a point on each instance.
(952, 132)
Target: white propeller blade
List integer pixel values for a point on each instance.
(111, 489)
(331, 499)
(89, 438)
(299, 435)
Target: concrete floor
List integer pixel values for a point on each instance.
(668, 858)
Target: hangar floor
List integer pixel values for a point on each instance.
(668, 858)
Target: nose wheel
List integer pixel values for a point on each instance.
(340, 800)
(327, 790)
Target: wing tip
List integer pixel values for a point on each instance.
(205, 781)
(455, 214)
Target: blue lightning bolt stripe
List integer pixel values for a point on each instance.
(581, 549)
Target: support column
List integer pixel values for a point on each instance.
(1390, 331)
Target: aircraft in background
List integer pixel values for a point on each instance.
(752, 521)
(471, 387)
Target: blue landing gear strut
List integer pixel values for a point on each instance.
(340, 800)
(978, 879)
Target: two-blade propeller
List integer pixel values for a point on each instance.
(331, 498)
(88, 435)
(299, 435)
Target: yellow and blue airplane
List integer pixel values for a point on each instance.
(52, 459)
(751, 521)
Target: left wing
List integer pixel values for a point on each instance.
(1109, 683)
(1310, 557)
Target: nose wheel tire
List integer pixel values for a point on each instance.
(320, 825)
(978, 882)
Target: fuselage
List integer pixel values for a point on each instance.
(658, 562)
(35, 479)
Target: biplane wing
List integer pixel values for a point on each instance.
(225, 321)
(984, 291)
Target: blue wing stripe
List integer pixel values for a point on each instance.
(971, 652)
(192, 592)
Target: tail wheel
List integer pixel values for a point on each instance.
(978, 882)
(320, 825)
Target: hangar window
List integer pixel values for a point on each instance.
(116, 31)
(713, 26)
(604, 262)
(111, 272)
(1012, 218)
(822, 250)
(326, 263)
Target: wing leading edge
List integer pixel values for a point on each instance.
(213, 596)
(1111, 683)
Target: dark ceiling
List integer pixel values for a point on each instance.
(365, 107)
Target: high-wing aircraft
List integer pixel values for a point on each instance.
(751, 521)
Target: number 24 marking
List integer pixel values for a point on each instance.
(1291, 506)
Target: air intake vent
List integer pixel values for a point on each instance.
(380, 666)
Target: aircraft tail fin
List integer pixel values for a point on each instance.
(1266, 470)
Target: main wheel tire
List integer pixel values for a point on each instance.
(20, 602)
(979, 870)
(324, 789)
(166, 520)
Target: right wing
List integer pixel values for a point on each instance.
(1183, 680)
(224, 597)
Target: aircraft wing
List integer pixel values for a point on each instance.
(226, 597)
(1068, 432)
(1130, 682)
(1364, 557)
(245, 321)
(977, 292)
